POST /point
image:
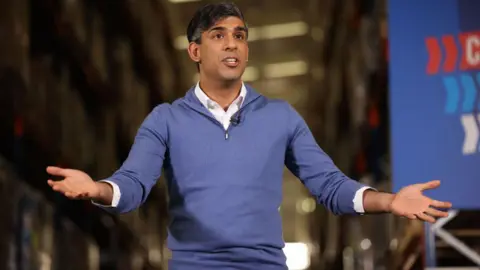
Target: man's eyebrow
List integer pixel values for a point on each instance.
(217, 28)
(223, 28)
(241, 28)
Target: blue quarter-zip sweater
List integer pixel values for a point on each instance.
(225, 187)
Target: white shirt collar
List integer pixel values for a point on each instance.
(209, 103)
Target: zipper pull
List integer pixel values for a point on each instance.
(226, 135)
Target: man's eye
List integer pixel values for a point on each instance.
(218, 36)
(240, 36)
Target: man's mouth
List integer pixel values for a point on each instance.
(231, 61)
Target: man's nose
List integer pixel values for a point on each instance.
(230, 42)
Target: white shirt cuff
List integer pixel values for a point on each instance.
(358, 200)
(116, 194)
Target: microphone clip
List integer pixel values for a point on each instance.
(235, 120)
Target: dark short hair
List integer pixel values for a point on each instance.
(207, 16)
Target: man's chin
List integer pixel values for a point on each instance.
(231, 77)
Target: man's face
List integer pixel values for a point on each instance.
(223, 52)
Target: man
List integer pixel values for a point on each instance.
(223, 148)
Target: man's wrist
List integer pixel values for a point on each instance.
(377, 202)
(386, 201)
(104, 193)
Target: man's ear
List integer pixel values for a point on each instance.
(194, 52)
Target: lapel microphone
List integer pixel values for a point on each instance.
(235, 120)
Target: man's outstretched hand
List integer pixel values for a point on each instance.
(75, 184)
(411, 203)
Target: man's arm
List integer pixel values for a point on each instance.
(306, 160)
(130, 185)
(342, 195)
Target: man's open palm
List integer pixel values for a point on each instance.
(75, 185)
(411, 203)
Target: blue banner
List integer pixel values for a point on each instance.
(434, 97)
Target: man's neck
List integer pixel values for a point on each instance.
(222, 93)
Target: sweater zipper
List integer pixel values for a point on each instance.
(215, 121)
(234, 115)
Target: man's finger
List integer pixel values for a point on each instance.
(439, 204)
(426, 217)
(411, 216)
(83, 195)
(72, 195)
(436, 213)
(69, 195)
(430, 185)
(59, 186)
(57, 171)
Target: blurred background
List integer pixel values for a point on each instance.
(77, 77)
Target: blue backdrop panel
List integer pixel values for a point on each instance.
(434, 96)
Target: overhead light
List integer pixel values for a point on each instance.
(365, 244)
(285, 69)
(254, 34)
(284, 30)
(182, 1)
(298, 256)
(307, 205)
(273, 31)
(251, 74)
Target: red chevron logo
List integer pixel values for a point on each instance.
(434, 55)
(451, 53)
(443, 53)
